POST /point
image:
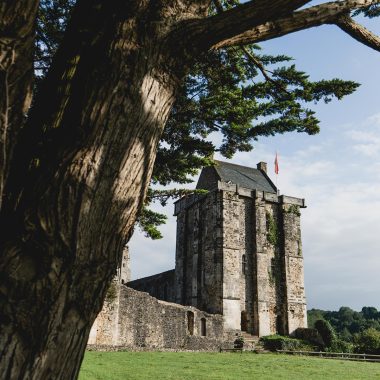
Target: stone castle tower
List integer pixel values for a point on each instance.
(239, 251)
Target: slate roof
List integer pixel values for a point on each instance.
(243, 176)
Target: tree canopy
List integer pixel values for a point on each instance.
(75, 167)
(239, 92)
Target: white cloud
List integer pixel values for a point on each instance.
(366, 138)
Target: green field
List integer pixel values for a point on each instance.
(186, 365)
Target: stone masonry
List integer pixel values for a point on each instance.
(239, 252)
(134, 319)
(239, 267)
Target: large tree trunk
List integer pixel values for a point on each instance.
(83, 164)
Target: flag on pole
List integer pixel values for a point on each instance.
(276, 164)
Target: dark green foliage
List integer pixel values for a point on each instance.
(111, 292)
(148, 221)
(241, 95)
(339, 345)
(51, 24)
(279, 342)
(326, 338)
(294, 209)
(239, 342)
(313, 315)
(326, 331)
(226, 93)
(370, 313)
(368, 341)
(272, 229)
(310, 335)
(371, 11)
(347, 322)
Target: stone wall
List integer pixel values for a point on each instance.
(160, 285)
(124, 272)
(199, 259)
(295, 290)
(138, 320)
(237, 260)
(105, 330)
(232, 227)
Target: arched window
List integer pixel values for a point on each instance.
(190, 323)
(243, 264)
(203, 326)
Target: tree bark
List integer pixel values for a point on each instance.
(82, 165)
(328, 13)
(17, 20)
(75, 175)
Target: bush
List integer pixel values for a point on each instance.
(368, 341)
(310, 335)
(239, 342)
(326, 331)
(339, 345)
(111, 292)
(279, 342)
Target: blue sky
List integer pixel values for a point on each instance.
(337, 171)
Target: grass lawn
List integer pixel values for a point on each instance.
(236, 366)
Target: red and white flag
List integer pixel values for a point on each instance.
(276, 168)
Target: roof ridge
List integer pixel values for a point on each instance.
(244, 176)
(241, 166)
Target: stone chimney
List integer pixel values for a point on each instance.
(262, 166)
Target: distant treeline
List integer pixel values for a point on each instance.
(347, 322)
(349, 329)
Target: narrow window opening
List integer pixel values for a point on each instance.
(279, 325)
(190, 323)
(243, 264)
(203, 326)
(244, 321)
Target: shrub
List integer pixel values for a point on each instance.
(326, 331)
(279, 342)
(111, 292)
(368, 341)
(309, 335)
(339, 345)
(239, 342)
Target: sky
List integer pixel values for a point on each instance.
(337, 172)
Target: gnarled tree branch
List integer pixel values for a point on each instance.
(358, 32)
(196, 36)
(328, 13)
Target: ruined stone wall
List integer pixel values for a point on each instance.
(263, 296)
(280, 305)
(199, 260)
(294, 272)
(124, 272)
(145, 322)
(237, 253)
(276, 296)
(160, 285)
